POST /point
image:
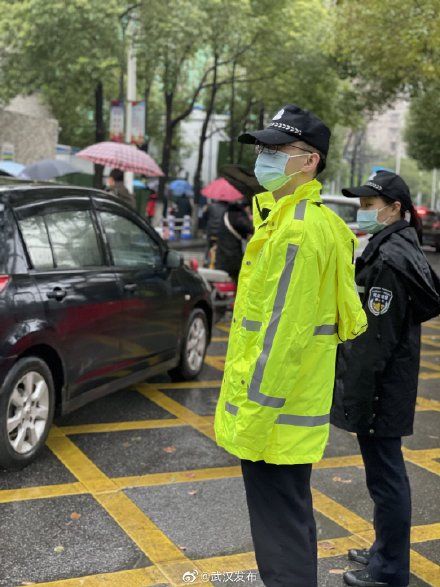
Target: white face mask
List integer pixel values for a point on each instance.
(270, 168)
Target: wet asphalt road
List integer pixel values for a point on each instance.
(132, 490)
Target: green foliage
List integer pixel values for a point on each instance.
(423, 130)
(387, 47)
(63, 49)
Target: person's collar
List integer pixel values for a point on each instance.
(377, 239)
(311, 190)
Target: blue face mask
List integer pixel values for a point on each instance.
(270, 167)
(367, 220)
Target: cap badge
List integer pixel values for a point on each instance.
(279, 114)
(374, 185)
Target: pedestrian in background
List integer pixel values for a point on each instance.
(235, 229)
(377, 374)
(295, 302)
(115, 184)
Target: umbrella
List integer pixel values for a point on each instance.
(179, 187)
(11, 168)
(120, 156)
(47, 169)
(222, 190)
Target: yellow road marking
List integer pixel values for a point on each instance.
(223, 327)
(425, 569)
(219, 339)
(146, 577)
(430, 365)
(41, 492)
(79, 464)
(426, 404)
(338, 513)
(187, 384)
(334, 462)
(121, 426)
(429, 340)
(424, 375)
(178, 477)
(433, 325)
(169, 559)
(422, 567)
(431, 353)
(186, 415)
(217, 362)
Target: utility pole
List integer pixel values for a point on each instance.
(130, 95)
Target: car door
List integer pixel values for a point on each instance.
(152, 303)
(78, 288)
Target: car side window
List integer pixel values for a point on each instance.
(129, 244)
(74, 240)
(37, 242)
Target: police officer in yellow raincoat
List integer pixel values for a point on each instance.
(296, 301)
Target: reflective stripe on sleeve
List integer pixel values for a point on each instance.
(300, 210)
(326, 329)
(254, 393)
(308, 421)
(252, 325)
(231, 408)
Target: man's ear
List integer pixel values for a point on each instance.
(311, 163)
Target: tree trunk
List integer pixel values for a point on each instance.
(261, 116)
(232, 117)
(99, 131)
(167, 143)
(202, 141)
(249, 105)
(147, 134)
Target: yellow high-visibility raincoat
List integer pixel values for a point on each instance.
(296, 301)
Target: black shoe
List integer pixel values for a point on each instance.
(362, 578)
(359, 555)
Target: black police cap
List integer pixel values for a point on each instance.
(384, 183)
(289, 124)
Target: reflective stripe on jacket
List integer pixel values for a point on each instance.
(296, 300)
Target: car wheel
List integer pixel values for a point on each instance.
(26, 412)
(194, 347)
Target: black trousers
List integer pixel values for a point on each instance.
(390, 491)
(282, 524)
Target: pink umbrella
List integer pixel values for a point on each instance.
(120, 156)
(222, 190)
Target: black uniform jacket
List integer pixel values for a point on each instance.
(230, 248)
(377, 373)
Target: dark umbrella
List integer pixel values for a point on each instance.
(47, 169)
(241, 178)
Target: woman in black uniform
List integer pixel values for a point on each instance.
(377, 373)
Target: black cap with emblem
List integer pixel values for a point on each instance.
(289, 124)
(383, 183)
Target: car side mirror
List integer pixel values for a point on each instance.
(173, 259)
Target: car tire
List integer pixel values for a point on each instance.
(27, 403)
(194, 347)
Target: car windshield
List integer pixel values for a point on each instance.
(346, 211)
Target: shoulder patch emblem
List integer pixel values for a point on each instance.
(379, 300)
